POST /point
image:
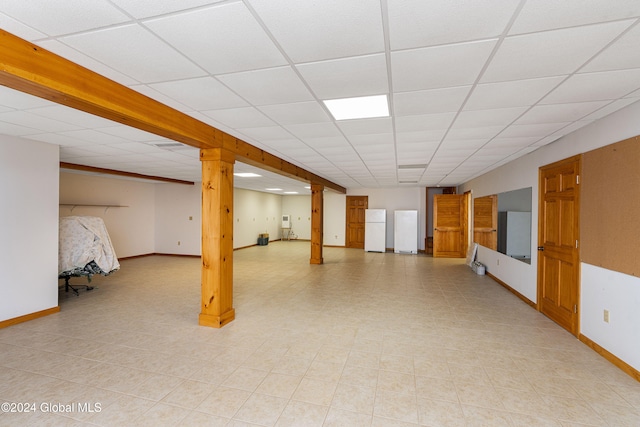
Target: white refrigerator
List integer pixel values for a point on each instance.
(405, 232)
(375, 230)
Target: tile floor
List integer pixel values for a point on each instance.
(366, 339)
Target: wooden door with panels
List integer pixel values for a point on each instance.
(485, 221)
(449, 225)
(559, 241)
(354, 234)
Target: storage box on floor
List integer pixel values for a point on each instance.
(263, 239)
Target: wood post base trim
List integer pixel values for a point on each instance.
(316, 261)
(214, 321)
(625, 367)
(27, 317)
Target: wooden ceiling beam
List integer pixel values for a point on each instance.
(29, 68)
(249, 154)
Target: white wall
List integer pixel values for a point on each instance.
(255, 213)
(335, 218)
(178, 219)
(299, 207)
(131, 228)
(597, 290)
(28, 227)
(392, 199)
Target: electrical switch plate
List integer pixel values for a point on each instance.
(606, 316)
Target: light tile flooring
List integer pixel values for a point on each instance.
(364, 340)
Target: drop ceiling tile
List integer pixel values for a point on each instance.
(541, 15)
(374, 140)
(296, 113)
(610, 108)
(19, 29)
(327, 141)
(267, 133)
(136, 52)
(429, 101)
(70, 16)
(605, 85)
(462, 144)
(130, 133)
(314, 130)
(420, 136)
(20, 100)
(486, 132)
(518, 93)
(29, 120)
(617, 56)
(16, 130)
(441, 66)
(560, 113)
(535, 130)
(551, 53)
(487, 118)
(86, 61)
(511, 142)
(366, 126)
(204, 93)
(145, 8)
(212, 39)
(324, 25)
(245, 117)
(424, 122)
(78, 118)
(269, 86)
(136, 147)
(417, 23)
(347, 77)
(94, 137)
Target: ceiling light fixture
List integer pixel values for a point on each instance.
(290, 192)
(247, 175)
(364, 107)
(273, 189)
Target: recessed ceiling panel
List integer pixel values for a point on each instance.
(438, 67)
(335, 28)
(218, 38)
(416, 23)
(347, 77)
(269, 86)
(136, 52)
(550, 53)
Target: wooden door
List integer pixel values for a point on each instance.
(449, 216)
(558, 242)
(356, 206)
(485, 221)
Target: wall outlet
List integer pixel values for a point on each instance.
(606, 316)
(178, 242)
(497, 262)
(190, 218)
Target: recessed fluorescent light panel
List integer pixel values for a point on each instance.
(290, 192)
(247, 175)
(273, 189)
(364, 107)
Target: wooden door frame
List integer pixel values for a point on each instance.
(347, 241)
(576, 219)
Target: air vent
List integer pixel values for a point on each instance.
(412, 166)
(408, 182)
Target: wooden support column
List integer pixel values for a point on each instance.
(217, 237)
(317, 215)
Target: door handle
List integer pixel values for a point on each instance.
(541, 248)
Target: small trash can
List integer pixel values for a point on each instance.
(263, 239)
